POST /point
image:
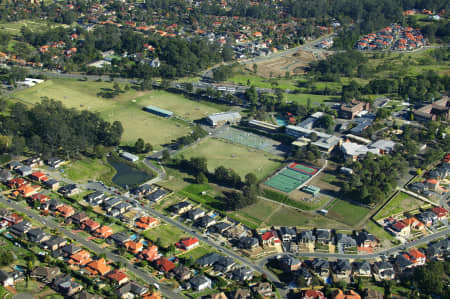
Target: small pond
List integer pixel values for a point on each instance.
(126, 175)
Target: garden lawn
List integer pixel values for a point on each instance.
(401, 202)
(346, 212)
(88, 169)
(262, 82)
(168, 234)
(241, 159)
(197, 252)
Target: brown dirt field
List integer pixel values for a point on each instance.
(294, 63)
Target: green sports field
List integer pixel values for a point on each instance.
(126, 107)
(237, 157)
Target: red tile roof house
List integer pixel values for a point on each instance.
(98, 267)
(270, 238)
(440, 212)
(146, 222)
(16, 183)
(187, 244)
(90, 225)
(66, 211)
(38, 176)
(118, 277)
(150, 254)
(134, 247)
(103, 232)
(164, 265)
(313, 294)
(417, 257)
(41, 198)
(80, 258)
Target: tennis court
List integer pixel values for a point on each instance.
(287, 180)
(303, 168)
(283, 183)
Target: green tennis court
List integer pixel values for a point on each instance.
(282, 183)
(287, 180)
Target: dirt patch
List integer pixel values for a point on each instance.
(294, 63)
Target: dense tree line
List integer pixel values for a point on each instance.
(374, 178)
(197, 133)
(337, 65)
(429, 280)
(198, 167)
(50, 128)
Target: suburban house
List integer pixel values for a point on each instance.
(146, 222)
(134, 247)
(69, 190)
(65, 211)
(79, 218)
(24, 170)
(131, 290)
(270, 238)
(188, 243)
(241, 274)
(55, 162)
(181, 207)
(54, 243)
(66, 285)
(289, 263)
(200, 283)
(195, 214)
(312, 294)
(248, 243)
(224, 264)
(70, 249)
(345, 242)
(99, 267)
(120, 238)
(440, 212)
(208, 259)
(164, 265)
(20, 229)
(80, 258)
(321, 267)
(103, 232)
(182, 273)
(90, 225)
(45, 274)
(288, 234)
(350, 294)
(95, 199)
(362, 268)
(150, 253)
(263, 289)
(384, 270)
(38, 176)
(37, 235)
(342, 268)
(306, 241)
(366, 240)
(117, 277)
(205, 222)
(5, 175)
(417, 257)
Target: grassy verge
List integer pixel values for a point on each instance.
(402, 202)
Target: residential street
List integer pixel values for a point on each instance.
(48, 222)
